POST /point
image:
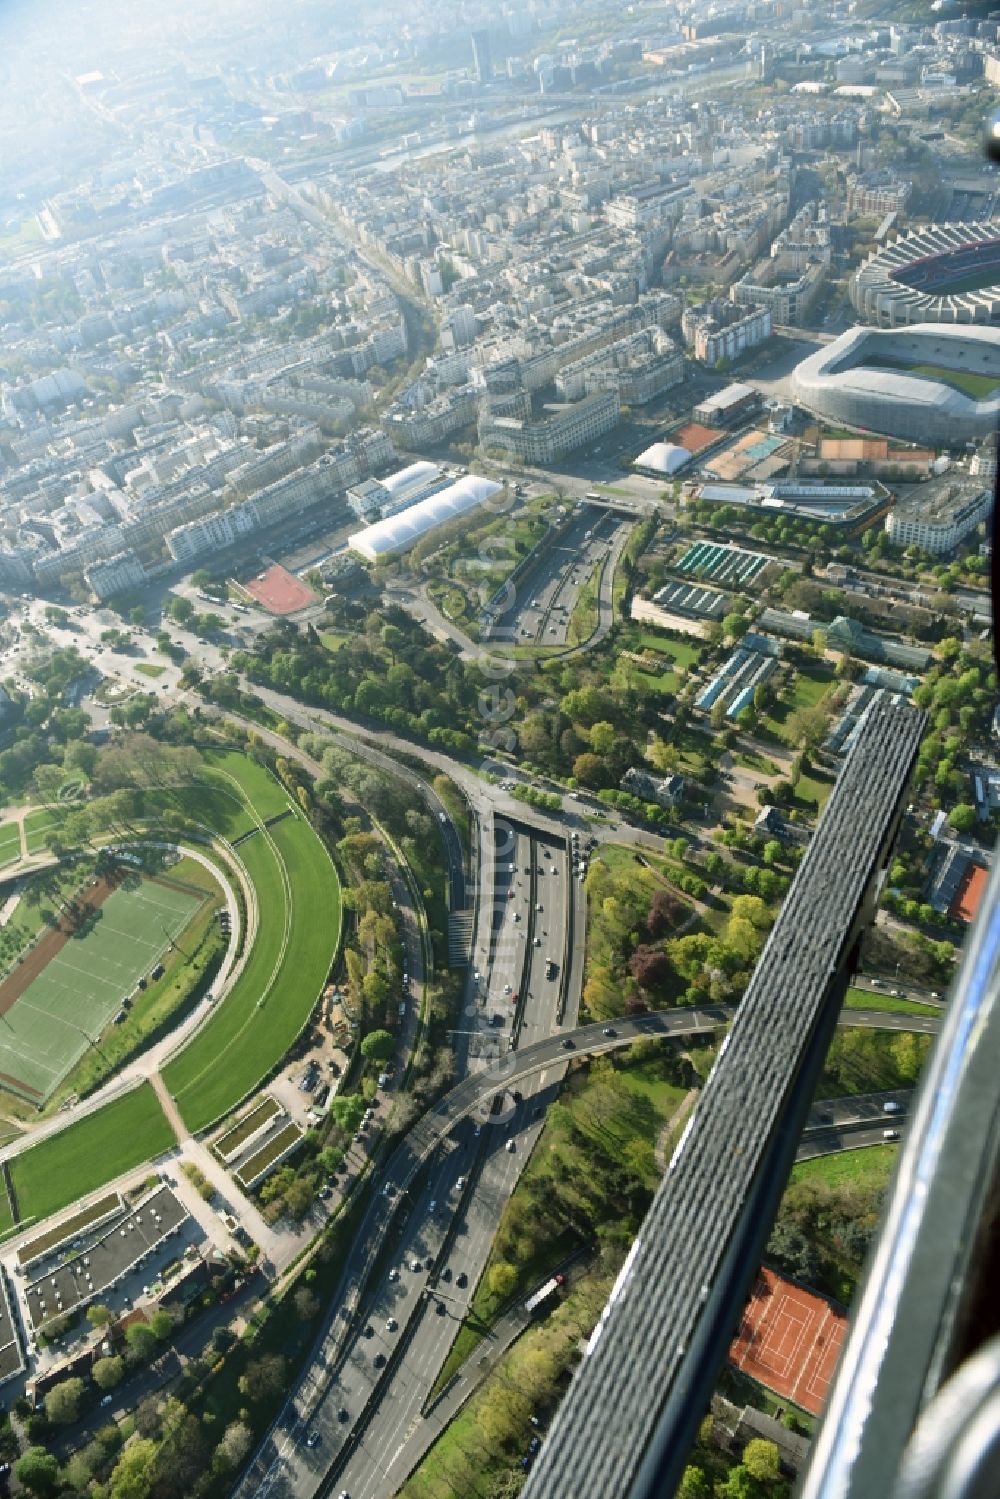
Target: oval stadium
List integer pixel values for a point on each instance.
(947, 273)
(924, 384)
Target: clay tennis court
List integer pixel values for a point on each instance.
(694, 437)
(969, 893)
(789, 1340)
(279, 591)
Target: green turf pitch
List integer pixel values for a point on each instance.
(71, 1001)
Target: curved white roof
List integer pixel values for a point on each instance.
(414, 476)
(847, 381)
(665, 457)
(397, 532)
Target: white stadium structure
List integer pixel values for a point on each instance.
(947, 273)
(398, 532)
(907, 383)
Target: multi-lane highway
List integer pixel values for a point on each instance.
(460, 1139)
(539, 610)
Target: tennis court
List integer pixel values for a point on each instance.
(72, 982)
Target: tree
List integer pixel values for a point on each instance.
(590, 770)
(141, 1340)
(740, 1484)
(501, 1279)
(62, 1402)
(161, 1324)
(500, 1415)
(108, 1372)
(666, 911)
(234, 1447)
(97, 1315)
(378, 1046)
(264, 1378)
(807, 727)
(137, 616)
(133, 1477)
(180, 609)
(649, 966)
(762, 1459)
(734, 625)
(962, 817)
(38, 1471)
(694, 1484)
(306, 1304)
(602, 737)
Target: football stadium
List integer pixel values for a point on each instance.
(948, 273)
(925, 384)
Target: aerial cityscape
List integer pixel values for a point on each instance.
(499, 740)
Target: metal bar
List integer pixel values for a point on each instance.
(909, 1317)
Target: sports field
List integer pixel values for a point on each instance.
(788, 1340)
(84, 971)
(969, 383)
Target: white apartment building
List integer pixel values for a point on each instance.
(938, 521)
(213, 533)
(117, 575)
(719, 330)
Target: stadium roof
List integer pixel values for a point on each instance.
(397, 532)
(414, 476)
(923, 277)
(665, 457)
(850, 381)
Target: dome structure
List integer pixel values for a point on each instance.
(663, 458)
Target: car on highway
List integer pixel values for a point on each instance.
(609, 1030)
(460, 1184)
(892, 1107)
(433, 1205)
(511, 1147)
(477, 1131)
(568, 1043)
(890, 1134)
